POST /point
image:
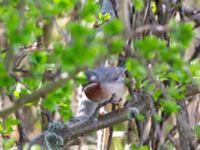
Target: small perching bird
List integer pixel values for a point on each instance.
(104, 82)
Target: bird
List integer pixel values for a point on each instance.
(104, 82)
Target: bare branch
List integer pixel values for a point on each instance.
(73, 132)
(186, 137)
(192, 14)
(150, 28)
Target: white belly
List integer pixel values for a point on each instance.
(119, 89)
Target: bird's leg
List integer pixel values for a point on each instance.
(104, 103)
(116, 103)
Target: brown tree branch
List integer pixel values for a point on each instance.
(150, 28)
(192, 14)
(73, 132)
(186, 136)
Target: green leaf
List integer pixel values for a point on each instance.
(145, 147)
(140, 117)
(153, 6)
(12, 20)
(179, 75)
(195, 71)
(84, 49)
(116, 45)
(60, 101)
(157, 118)
(89, 11)
(181, 33)
(49, 104)
(107, 16)
(81, 33)
(104, 17)
(52, 101)
(175, 92)
(197, 131)
(63, 5)
(81, 79)
(170, 106)
(65, 109)
(8, 143)
(7, 125)
(138, 4)
(157, 94)
(5, 79)
(38, 61)
(150, 50)
(33, 81)
(136, 69)
(54, 7)
(161, 69)
(113, 27)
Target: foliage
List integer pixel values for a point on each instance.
(139, 4)
(6, 128)
(156, 59)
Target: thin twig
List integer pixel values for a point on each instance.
(61, 31)
(150, 28)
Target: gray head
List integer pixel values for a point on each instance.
(105, 74)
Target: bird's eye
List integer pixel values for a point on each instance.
(115, 79)
(93, 78)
